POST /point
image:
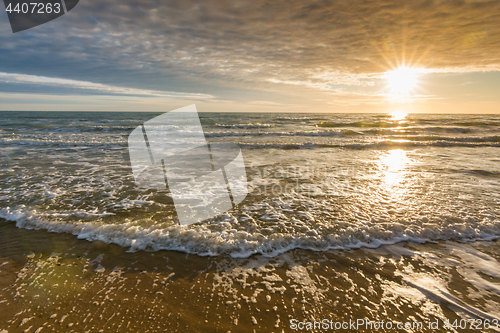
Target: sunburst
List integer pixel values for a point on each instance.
(403, 80)
(402, 72)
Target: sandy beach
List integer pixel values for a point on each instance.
(207, 166)
(342, 229)
(56, 283)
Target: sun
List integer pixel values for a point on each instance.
(398, 116)
(402, 81)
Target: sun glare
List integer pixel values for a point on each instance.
(394, 163)
(402, 80)
(397, 116)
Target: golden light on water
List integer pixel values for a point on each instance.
(395, 160)
(398, 116)
(394, 163)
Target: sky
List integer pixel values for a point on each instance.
(257, 56)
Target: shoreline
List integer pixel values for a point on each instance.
(58, 282)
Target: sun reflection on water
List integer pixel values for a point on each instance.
(394, 163)
(398, 116)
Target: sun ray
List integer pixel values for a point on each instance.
(402, 70)
(402, 81)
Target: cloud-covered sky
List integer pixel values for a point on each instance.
(324, 56)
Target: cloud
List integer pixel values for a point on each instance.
(90, 87)
(305, 44)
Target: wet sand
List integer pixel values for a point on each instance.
(57, 283)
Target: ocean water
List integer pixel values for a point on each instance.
(348, 217)
(316, 181)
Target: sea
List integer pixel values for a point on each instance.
(348, 216)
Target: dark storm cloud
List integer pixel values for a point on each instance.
(313, 43)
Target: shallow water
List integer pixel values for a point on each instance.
(401, 215)
(56, 283)
(424, 177)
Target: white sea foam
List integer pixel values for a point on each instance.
(66, 175)
(268, 231)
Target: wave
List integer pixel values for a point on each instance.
(450, 139)
(481, 172)
(414, 130)
(60, 142)
(387, 144)
(477, 123)
(244, 126)
(364, 124)
(393, 124)
(294, 119)
(281, 134)
(227, 236)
